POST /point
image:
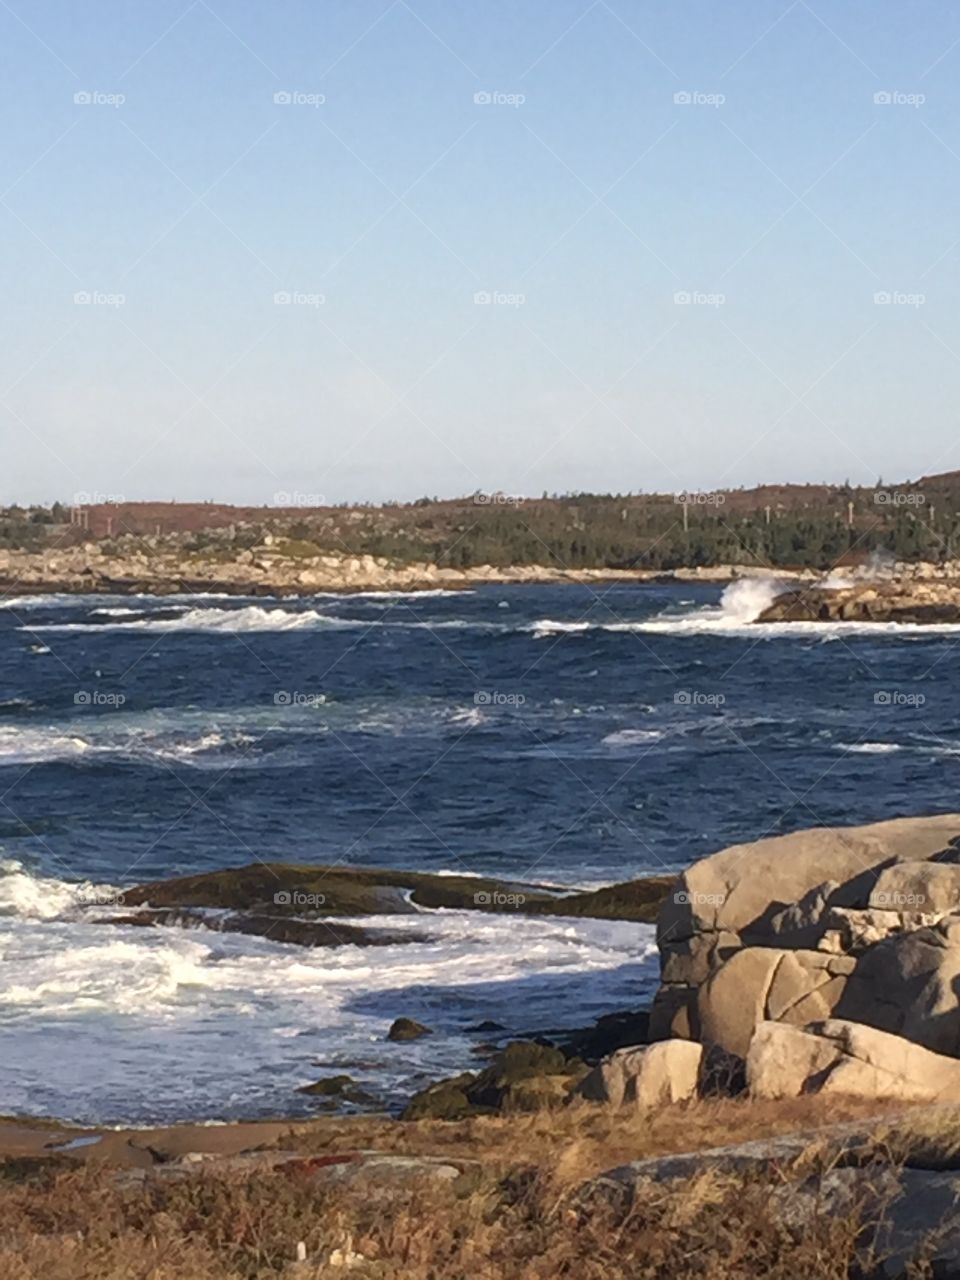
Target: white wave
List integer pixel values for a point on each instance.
(555, 627)
(249, 618)
(631, 737)
(868, 748)
(52, 744)
(107, 1016)
(35, 897)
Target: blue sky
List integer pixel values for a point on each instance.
(247, 248)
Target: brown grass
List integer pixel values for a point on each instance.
(517, 1217)
(580, 1141)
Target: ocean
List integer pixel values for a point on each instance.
(562, 735)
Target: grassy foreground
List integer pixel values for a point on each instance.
(516, 1215)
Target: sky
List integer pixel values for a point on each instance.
(340, 250)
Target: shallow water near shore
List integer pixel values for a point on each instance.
(575, 736)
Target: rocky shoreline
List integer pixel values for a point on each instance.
(916, 603)
(810, 977)
(275, 569)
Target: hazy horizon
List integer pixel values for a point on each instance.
(378, 250)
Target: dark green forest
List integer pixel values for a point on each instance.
(784, 526)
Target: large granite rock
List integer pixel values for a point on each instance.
(861, 923)
(647, 1075)
(847, 1058)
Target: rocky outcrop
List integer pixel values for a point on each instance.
(287, 891)
(855, 922)
(903, 600)
(647, 1076)
(847, 1058)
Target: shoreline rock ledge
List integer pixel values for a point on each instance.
(827, 960)
(906, 601)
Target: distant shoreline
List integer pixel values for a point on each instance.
(34, 577)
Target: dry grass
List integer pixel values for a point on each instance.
(517, 1218)
(80, 1226)
(580, 1141)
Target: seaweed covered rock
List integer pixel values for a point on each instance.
(525, 1076)
(443, 1100)
(408, 1029)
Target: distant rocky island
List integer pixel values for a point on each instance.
(914, 594)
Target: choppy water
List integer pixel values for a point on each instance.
(560, 734)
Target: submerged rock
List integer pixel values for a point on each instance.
(408, 1029)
